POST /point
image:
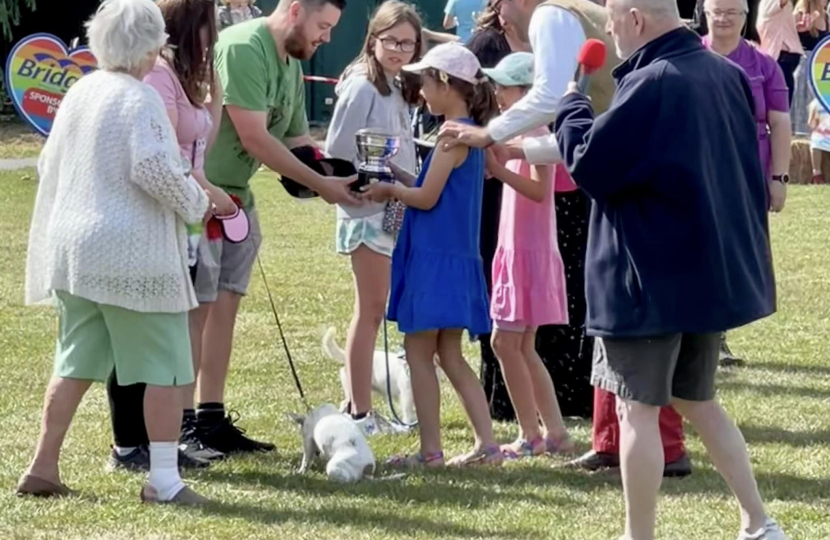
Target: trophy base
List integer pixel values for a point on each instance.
(365, 178)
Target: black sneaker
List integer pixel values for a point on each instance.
(726, 358)
(136, 461)
(227, 438)
(139, 460)
(191, 461)
(191, 444)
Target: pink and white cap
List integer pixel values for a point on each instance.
(454, 59)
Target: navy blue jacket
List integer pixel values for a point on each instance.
(678, 237)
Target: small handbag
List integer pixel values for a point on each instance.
(393, 217)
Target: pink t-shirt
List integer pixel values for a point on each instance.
(194, 123)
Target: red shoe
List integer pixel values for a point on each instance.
(817, 179)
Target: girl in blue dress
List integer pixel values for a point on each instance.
(438, 288)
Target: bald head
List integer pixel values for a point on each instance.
(633, 23)
(658, 9)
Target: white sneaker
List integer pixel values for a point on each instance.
(367, 425)
(771, 531)
(375, 424)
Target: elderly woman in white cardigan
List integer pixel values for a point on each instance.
(108, 244)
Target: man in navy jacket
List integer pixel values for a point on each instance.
(678, 248)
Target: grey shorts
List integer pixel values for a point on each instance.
(225, 266)
(653, 370)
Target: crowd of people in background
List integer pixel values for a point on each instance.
(192, 99)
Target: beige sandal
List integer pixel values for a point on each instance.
(489, 455)
(185, 497)
(38, 487)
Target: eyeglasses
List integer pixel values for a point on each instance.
(727, 13)
(392, 44)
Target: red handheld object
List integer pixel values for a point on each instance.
(591, 56)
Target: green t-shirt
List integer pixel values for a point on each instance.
(253, 78)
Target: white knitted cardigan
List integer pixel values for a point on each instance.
(113, 200)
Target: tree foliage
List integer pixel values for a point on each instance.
(10, 15)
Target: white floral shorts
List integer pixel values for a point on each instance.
(351, 232)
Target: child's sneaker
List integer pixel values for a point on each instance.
(367, 425)
(771, 531)
(817, 179)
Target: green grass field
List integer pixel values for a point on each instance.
(781, 400)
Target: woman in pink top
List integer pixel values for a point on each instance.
(528, 280)
(779, 36)
(185, 79)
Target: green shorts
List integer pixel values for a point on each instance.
(152, 348)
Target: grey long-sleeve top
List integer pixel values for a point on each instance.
(360, 105)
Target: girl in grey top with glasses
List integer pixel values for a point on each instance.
(373, 93)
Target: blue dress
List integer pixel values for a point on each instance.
(437, 270)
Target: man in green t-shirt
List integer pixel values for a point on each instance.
(258, 63)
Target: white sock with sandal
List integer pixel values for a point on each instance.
(164, 470)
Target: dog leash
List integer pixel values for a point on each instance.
(389, 399)
(282, 335)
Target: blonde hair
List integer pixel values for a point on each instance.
(809, 6)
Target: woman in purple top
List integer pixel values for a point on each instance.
(727, 19)
(772, 112)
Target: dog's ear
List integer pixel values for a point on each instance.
(297, 418)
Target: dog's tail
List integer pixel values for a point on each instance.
(330, 347)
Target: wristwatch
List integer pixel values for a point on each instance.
(783, 178)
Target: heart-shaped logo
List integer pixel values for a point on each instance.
(39, 71)
(820, 72)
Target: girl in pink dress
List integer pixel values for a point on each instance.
(528, 280)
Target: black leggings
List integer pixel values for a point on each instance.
(789, 62)
(127, 413)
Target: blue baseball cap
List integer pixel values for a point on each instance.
(515, 69)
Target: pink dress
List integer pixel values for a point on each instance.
(528, 273)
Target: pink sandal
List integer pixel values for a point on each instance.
(522, 448)
(416, 461)
(562, 446)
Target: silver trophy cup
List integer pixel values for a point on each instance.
(375, 149)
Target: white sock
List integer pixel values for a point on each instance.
(164, 469)
(124, 450)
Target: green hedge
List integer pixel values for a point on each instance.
(6, 108)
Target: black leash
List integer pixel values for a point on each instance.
(389, 399)
(282, 336)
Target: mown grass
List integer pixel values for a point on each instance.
(781, 400)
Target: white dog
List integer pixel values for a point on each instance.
(329, 433)
(398, 374)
